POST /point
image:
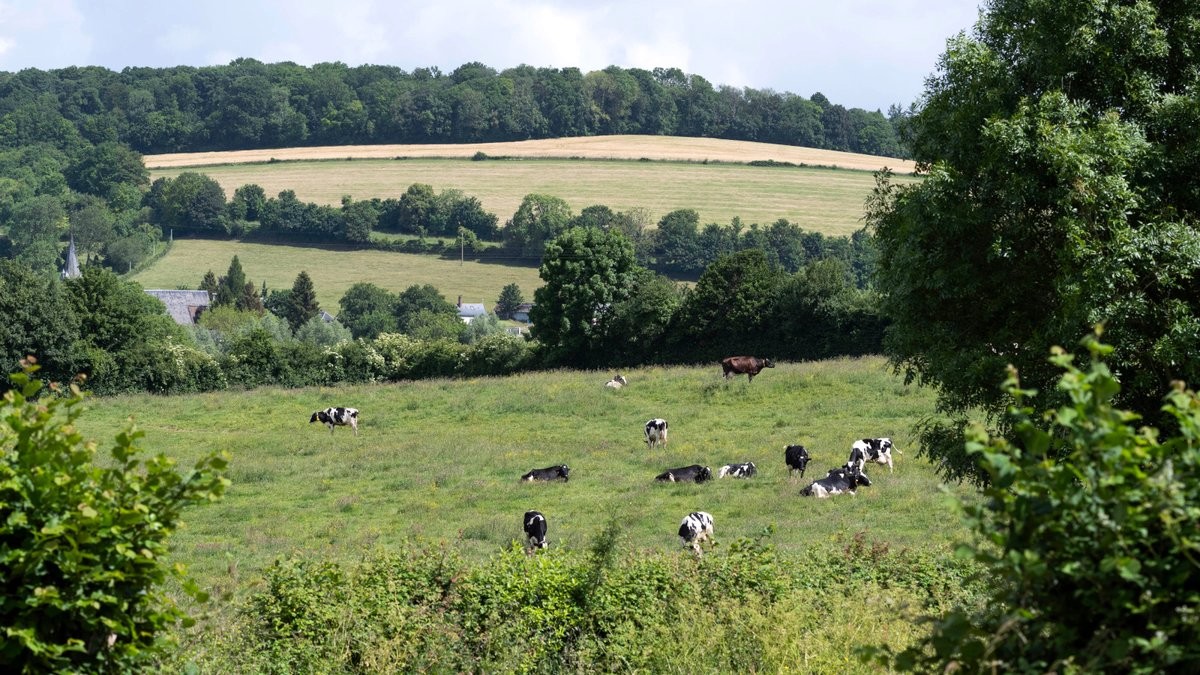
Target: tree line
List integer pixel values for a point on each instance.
(249, 104)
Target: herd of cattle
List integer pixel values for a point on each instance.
(696, 527)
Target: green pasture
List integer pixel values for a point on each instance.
(333, 271)
(823, 200)
(440, 461)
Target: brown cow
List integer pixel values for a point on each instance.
(744, 365)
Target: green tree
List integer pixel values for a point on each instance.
(35, 229)
(1087, 534)
(104, 168)
(367, 310)
(727, 311)
(510, 298)
(587, 272)
(92, 226)
(537, 220)
(415, 208)
(361, 218)
(193, 201)
(1060, 190)
(640, 324)
(677, 242)
(248, 202)
(209, 283)
(232, 285)
(85, 556)
(420, 298)
(36, 319)
(301, 303)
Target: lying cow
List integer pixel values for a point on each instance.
(686, 474)
(559, 472)
(337, 417)
(617, 382)
(878, 450)
(695, 528)
(839, 481)
(743, 470)
(656, 433)
(797, 459)
(535, 531)
(744, 365)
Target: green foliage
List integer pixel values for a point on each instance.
(35, 229)
(1060, 192)
(586, 273)
(104, 169)
(36, 319)
(189, 201)
(479, 328)
(209, 283)
(318, 333)
(537, 220)
(231, 286)
(510, 298)
(85, 543)
(301, 304)
(368, 310)
(676, 242)
(420, 304)
(639, 325)
(1088, 535)
(727, 312)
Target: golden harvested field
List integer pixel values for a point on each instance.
(334, 271)
(818, 199)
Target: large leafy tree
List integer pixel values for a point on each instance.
(36, 319)
(417, 303)
(510, 298)
(103, 170)
(1061, 189)
(537, 220)
(367, 310)
(587, 272)
(301, 303)
(728, 311)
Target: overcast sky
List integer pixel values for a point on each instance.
(859, 53)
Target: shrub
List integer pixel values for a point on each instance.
(83, 548)
(1093, 556)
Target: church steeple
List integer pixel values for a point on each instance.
(71, 271)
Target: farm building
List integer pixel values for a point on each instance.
(326, 316)
(522, 312)
(183, 306)
(467, 311)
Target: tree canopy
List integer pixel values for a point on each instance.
(1061, 191)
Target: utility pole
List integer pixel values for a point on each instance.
(460, 248)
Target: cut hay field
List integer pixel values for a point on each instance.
(584, 172)
(333, 271)
(439, 461)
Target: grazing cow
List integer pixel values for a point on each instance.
(839, 481)
(695, 528)
(878, 450)
(656, 433)
(685, 474)
(797, 459)
(559, 472)
(617, 382)
(535, 530)
(743, 470)
(744, 365)
(337, 417)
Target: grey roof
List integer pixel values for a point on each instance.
(326, 316)
(183, 306)
(471, 309)
(71, 271)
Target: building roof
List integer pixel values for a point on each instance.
(183, 306)
(326, 316)
(71, 271)
(471, 309)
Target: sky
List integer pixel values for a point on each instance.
(859, 53)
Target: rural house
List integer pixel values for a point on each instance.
(183, 306)
(467, 311)
(522, 312)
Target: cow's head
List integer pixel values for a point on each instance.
(768, 363)
(705, 474)
(315, 417)
(563, 470)
(858, 478)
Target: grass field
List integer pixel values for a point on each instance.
(334, 271)
(823, 200)
(440, 460)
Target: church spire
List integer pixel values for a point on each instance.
(71, 271)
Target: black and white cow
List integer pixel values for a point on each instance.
(685, 474)
(535, 530)
(656, 433)
(839, 481)
(797, 459)
(617, 382)
(743, 470)
(337, 417)
(559, 472)
(695, 528)
(878, 450)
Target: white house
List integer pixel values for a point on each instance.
(467, 311)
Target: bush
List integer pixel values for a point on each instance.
(83, 553)
(1093, 556)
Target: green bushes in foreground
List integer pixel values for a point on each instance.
(744, 609)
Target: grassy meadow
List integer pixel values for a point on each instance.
(440, 461)
(333, 271)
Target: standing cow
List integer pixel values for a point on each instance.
(877, 450)
(535, 530)
(744, 365)
(656, 433)
(797, 459)
(337, 417)
(695, 528)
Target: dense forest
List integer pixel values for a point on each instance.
(250, 104)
